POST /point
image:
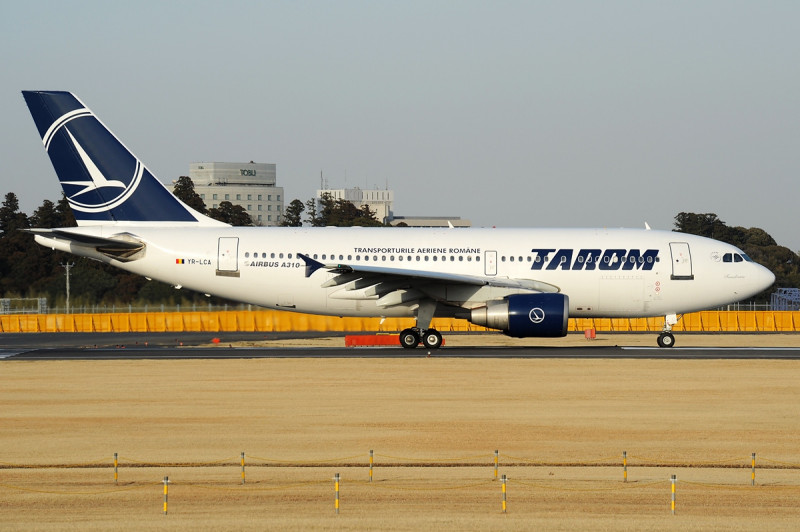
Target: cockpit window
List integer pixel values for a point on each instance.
(736, 257)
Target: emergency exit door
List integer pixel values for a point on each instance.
(490, 263)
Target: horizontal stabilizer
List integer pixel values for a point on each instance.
(88, 240)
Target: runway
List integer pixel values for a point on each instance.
(193, 346)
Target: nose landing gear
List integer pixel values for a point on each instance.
(666, 338)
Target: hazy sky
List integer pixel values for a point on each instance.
(601, 114)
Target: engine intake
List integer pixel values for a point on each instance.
(525, 315)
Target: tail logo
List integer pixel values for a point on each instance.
(98, 193)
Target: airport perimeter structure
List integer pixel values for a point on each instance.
(281, 321)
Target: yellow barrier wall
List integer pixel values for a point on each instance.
(277, 321)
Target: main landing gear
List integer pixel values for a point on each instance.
(666, 339)
(430, 338)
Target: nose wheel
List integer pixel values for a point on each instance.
(666, 339)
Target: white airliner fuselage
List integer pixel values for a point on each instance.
(524, 282)
(261, 266)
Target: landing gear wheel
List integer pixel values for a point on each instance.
(432, 339)
(409, 339)
(666, 339)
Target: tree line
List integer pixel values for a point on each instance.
(30, 270)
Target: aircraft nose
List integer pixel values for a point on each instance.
(764, 277)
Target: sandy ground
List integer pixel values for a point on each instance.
(560, 427)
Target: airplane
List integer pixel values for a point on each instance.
(523, 282)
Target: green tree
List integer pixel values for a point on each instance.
(11, 218)
(312, 216)
(328, 211)
(184, 191)
(231, 214)
(65, 215)
(293, 215)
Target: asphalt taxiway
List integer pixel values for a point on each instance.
(172, 346)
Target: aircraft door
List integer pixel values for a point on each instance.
(490, 262)
(228, 256)
(681, 261)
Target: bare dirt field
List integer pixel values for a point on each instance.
(560, 427)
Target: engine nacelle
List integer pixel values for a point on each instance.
(526, 315)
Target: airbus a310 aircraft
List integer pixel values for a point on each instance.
(524, 282)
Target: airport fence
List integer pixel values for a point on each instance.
(279, 321)
(476, 475)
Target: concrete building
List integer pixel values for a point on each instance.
(251, 185)
(379, 201)
(429, 221)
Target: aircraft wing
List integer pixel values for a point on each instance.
(381, 281)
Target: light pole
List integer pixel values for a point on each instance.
(67, 267)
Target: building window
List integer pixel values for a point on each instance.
(202, 196)
(249, 197)
(227, 196)
(259, 197)
(238, 196)
(214, 197)
(259, 208)
(249, 207)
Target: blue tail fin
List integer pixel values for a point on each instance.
(103, 181)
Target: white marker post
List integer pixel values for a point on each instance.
(674, 480)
